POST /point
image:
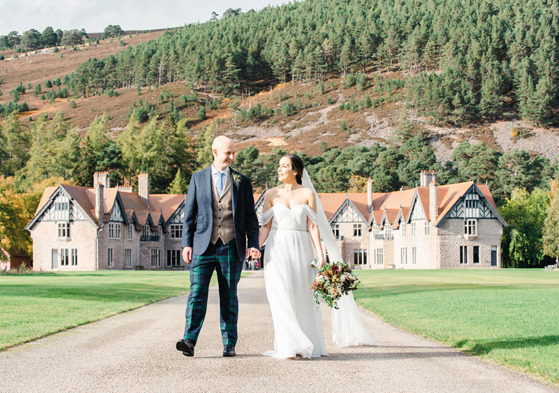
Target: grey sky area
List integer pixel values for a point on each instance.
(95, 15)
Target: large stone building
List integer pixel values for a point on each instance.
(428, 227)
(80, 228)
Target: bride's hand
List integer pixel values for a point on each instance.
(321, 262)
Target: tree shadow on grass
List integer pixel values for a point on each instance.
(486, 346)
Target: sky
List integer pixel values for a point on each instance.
(95, 15)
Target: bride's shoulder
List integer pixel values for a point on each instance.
(306, 190)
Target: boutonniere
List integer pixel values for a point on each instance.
(236, 179)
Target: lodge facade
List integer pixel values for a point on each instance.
(429, 227)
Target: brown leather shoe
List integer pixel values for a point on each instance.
(186, 346)
(229, 351)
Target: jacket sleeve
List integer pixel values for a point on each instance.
(190, 212)
(251, 220)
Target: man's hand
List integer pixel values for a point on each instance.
(254, 253)
(187, 254)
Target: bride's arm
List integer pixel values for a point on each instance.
(315, 234)
(265, 229)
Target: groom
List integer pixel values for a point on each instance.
(219, 217)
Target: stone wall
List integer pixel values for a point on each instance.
(45, 239)
(451, 237)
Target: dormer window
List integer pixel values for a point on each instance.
(357, 230)
(336, 231)
(404, 229)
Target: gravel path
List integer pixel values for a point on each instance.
(134, 352)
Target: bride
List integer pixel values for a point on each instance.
(293, 221)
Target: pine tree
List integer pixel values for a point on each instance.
(178, 185)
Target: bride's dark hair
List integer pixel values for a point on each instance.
(297, 165)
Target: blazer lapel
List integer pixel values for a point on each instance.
(235, 191)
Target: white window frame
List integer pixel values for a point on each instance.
(404, 229)
(336, 231)
(379, 256)
(427, 228)
(174, 258)
(359, 256)
(74, 256)
(130, 232)
(474, 255)
(110, 257)
(404, 255)
(128, 257)
(470, 227)
(463, 255)
(64, 257)
(114, 230)
(414, 255)
(414, 229)
(155, 257)
(176, 231)
(357, 230)
(63, 230)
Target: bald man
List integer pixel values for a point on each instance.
(219, 222)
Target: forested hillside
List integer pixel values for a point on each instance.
(465, 60)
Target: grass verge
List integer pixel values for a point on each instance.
(508, 316)
(35, 305)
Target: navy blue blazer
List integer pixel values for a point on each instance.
(198, 213)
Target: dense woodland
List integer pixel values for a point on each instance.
(464, 61)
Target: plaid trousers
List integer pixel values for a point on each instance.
(225, 260)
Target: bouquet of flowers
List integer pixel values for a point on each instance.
(332, 282)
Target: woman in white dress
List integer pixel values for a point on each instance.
(290, 232)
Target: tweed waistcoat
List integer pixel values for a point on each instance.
(223, 226)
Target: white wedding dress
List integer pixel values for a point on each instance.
(288, 276)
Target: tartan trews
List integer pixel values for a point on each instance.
(222, 258)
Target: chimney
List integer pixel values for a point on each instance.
(99, 209)
(404, 188)
(102, 177)
(427, 177)
(370, 194)
(433, 201)
(143, 188)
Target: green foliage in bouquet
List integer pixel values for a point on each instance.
(332, 282)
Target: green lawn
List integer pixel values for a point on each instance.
(508, 316)
(32, 306)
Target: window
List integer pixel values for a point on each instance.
(336, 231)
(176, 231)
(63, 230)
(74, 257)
(387, 232)
(463, 254)
(357, 230)
(470, 227)
(379, 256)
(61, 206)
(128, 257)
(471, 204)
(426, 228)
(173, 257)
(359, 257)
(130, 231)
(110, 257)
(476, 254)
(414, 255)
(414, 229)
(155, 258)
(404, 255)
(404, 229)
(64, 258)
(114, 230)
(145, 233)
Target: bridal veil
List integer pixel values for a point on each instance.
(347, 328)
